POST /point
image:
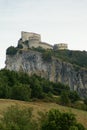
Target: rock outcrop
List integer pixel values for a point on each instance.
(55, 70)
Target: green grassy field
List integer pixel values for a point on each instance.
(81, 116)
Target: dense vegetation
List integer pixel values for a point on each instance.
(78, 58)
(22, 119)
(20, 86)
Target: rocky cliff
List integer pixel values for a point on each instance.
(55, 70)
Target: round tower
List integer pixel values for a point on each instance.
(60, 46)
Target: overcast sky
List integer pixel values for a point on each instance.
(56, 20)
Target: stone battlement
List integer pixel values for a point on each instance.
(29, 35)
(34, 40)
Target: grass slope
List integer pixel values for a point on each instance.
(43, 106)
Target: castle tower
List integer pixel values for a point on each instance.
(60, 46)
(26, 36)
(34, 41)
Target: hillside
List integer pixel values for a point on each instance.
(65, 66)
(81, 116)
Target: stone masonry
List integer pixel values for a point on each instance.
(34, 40)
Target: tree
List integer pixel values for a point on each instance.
(21, 92)
(85, 100)
(73, 95)
(37, 91)
(55, 120)
(64, 99)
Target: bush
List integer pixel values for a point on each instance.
(79, 105)
(47, 56)
(64, 99)
(85, 100)
(11, 50)
(73, 95)
(80, 126)
(55, 120)
(73, 128)
(39, 49)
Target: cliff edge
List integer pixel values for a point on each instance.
(56, 70)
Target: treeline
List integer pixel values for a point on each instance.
(22, 119)
(21, 86)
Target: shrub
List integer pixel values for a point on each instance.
(55, 120)
(11, 50)
(73, 95)
(47, 56)
(85, 100)
(39, 49)
(64, 99)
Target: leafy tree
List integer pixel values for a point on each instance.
(64, 99)
(85, 100)
(55, 120)
(24, 78)
(58, 88)
(21, 92)
(73, 95)
(5, 91)
(37, 91)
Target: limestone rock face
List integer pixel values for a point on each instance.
(55, 70)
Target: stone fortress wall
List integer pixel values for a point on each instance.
(34, 40)
(30, 36)
(60, 46)
(40, 44)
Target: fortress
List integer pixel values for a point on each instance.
(33, 40)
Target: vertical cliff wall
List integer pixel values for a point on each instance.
(55, 70)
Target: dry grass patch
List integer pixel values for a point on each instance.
(81, 116)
